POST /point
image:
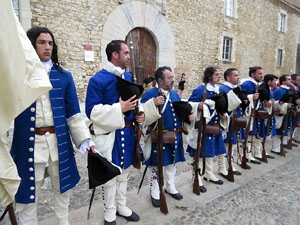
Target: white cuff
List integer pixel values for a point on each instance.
(86, 145)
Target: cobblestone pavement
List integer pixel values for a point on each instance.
(266, 194)
(273, 198)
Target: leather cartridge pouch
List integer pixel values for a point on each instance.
(238, 123)
(292, 113)
(275, 111)
(261, 114)
(168, 137)
(212, 129)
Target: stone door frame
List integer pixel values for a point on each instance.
(134, 14)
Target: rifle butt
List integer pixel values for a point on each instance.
(230, 176)
(137, 161)
(163, 203)
(11, 214)
(282, 152)
(196, 187)
(264, 156)
(289, 144)
(244, 163)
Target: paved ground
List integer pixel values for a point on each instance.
(266, 194)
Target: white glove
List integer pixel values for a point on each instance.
(86, 145)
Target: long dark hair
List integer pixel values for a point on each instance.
(208, 73)
(33, 34)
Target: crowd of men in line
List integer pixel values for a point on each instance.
(212, 119)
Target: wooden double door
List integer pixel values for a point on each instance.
(143, 54)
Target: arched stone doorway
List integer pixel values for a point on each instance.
(133, 14)
(143, 54)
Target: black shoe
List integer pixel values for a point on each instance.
(155, 202)
(270, 157)
(202, 189)
(176, 196)
(247, 167)
(223, 175)
(294, 145)
(254, 161)
(133, 217)
(237, 173)
(260, 159)
(110, 223)
(278, 153)
(220, 182)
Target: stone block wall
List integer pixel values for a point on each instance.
(197, 26)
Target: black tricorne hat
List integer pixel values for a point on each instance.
(128, 89)
(221, 102)
(242, 94)
(100, 170)
(264, 92)
(183, 110)
(292, 95)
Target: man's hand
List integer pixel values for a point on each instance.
(140, 118)
(255, 96)
(200, 106)
(191, 118)
(223, 116)
(129, 104)
(267, 103)
(159, 100)
(93, 149)
(290, 105)
(298, 101)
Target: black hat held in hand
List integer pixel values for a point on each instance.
(183, 110)
(100, 170)
(242, 94)
(128, 89)
(264, 92)
(221, 102)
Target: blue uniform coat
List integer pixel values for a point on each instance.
(214, 144)
(172, 153)
(278, 95)
(102, 89)
(64, 103)
(239, 113)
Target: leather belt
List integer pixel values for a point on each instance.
(180, 130)
(127, 124)
(44, 130)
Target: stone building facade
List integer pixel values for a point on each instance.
(189, 35)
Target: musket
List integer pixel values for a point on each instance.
(253, 125)
(137, 130)
(142, 180)
(230, 176)
(284, 129)
(11, 213)
(160, 176)
(263, 153)
(90, 205)
(245, 148)
(290, 141)
(201, 129)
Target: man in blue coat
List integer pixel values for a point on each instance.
(231, 77)
(41, 143)
(214, 143)
(258, 127)
(112, 128)
(279, 93)
(172, 152)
